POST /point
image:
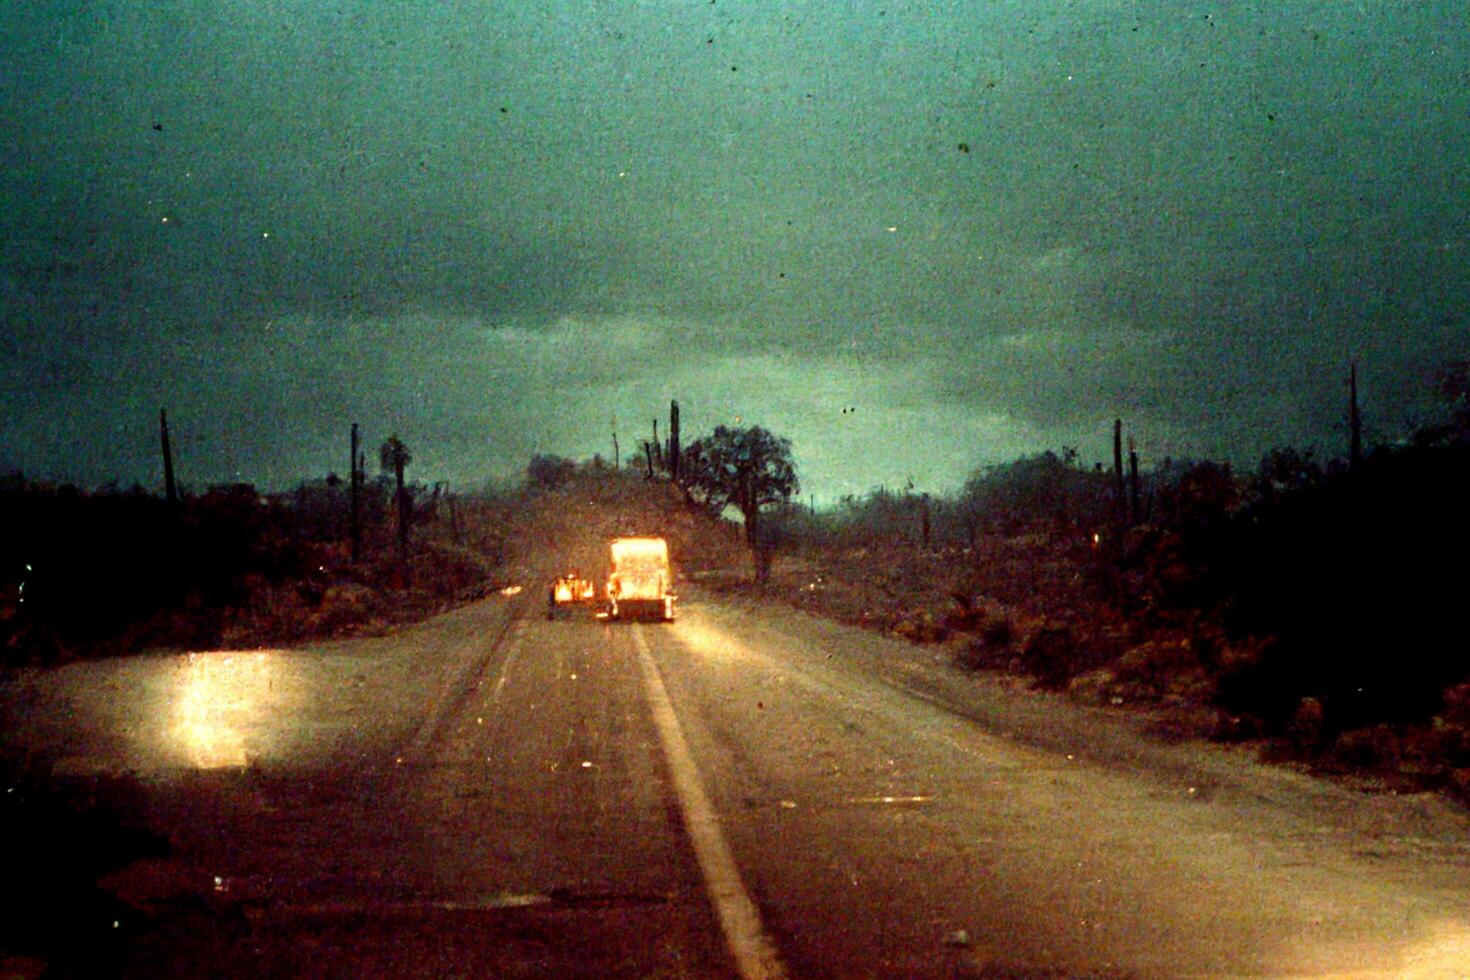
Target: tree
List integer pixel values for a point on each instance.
(393, 456)
(749, 469)
(547, 472)
(1041, 487)
(1453, 425)
(1285, 470)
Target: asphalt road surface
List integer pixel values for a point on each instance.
(748, 791)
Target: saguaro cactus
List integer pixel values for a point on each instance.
(1122, 500)
(1135, 513)
(354, 467)
(394, 456)
(924, 519)
(674, 441)
(168, 460)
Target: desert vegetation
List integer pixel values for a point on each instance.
(1310, 605)
(108, 571)
(1313, 606)
(112, 571)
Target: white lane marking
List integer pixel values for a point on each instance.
(755, 955)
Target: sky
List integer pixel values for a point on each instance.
(915, 238)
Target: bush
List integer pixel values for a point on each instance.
(1459, 784)
(991, 647)
(995, 630)
(1050, 655)
(1373, 748)
(341, 606)
(921, 627)
(1457, 706)
(1347, 571)
(1156, 663)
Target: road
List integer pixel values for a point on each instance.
(748, 791)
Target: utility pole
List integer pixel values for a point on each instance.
(616, 461)
(169, 489)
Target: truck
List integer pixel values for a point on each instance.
(640, 585)
(566, 591)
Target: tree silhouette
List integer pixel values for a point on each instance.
(393, 456)
(547, 472)
(749, 469)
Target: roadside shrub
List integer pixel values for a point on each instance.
(1093, 686)
(1155, 665)
(1308, 723)
(1348, 572)
(1457, 706)
(996, 630)
(277, 614)
(341, 606)
(1375, 747)
(1459, 784)
(1424, 753)
(1050, 654)
(921, 627)
(964, 618)
(991, 647)
(1261, 678)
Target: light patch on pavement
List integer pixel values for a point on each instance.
(218, 699)
(709, 642)
(1446, 953)
(754, 953)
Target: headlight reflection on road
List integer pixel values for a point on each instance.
(1445, 954)
(218, 700)
(705, 639)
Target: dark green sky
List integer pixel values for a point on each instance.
(492, 227)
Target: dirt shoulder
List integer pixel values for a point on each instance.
(1426, 833)
(1040, 616)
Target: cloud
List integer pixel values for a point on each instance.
(494, 227)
